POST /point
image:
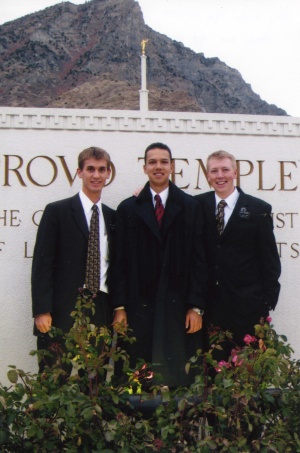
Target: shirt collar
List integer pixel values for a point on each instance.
(230, 200)
(163, 195)
(87, 203)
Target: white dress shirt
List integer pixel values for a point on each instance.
(231, 202)
(163, 196)
(87, 205)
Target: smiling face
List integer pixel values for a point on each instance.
(94, 175)
(221, 174)
(158, 168)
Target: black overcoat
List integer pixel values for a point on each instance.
(244, 261)
(159, 275)
(59, 259)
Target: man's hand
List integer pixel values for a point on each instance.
(137, 191)
(193, 321)
(43, 322)
(120, 320)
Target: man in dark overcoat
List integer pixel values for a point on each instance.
(60, 253)
(159, 284)
(244, 265)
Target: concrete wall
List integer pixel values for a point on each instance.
(38, 160)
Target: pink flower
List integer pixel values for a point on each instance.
(222, 364)
(262, 345)
(150, 375)
(249, 339)
(236, 361)
(158, 443)
(269, 319)
(235, 358)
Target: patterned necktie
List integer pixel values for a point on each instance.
(220, 216)
(92, 278)
(159, 209)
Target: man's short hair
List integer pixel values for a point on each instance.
(159, 146)
(93, 153)
(221, 155)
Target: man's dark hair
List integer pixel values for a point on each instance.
(159, 146)
(93, 153)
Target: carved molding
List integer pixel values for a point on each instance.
(151, 121)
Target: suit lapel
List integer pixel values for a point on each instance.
(173, 207)
(79, 216)
(145, 210)
(108, 215)
(210, 209)
(234, 218)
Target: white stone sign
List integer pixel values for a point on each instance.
(38, 161)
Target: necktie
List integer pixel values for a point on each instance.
(159, 209)
(220, 216)
(92, 277)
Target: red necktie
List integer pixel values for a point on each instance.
(159, 209)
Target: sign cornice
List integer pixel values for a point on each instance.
(150, 121)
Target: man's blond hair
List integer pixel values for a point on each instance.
(221, 155)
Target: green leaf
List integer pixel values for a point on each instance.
(166, 397)
(182, 404)
(21, 373)
(3, 437)
(187, 367)
(3, 402)
(227, 383)
(88, 414)
(12, 376)
(115, 399)
(212, 444)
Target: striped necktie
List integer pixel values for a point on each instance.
(220, 216)
(159, 209)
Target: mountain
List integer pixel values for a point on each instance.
(88, 56)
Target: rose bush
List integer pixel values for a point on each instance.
(250, 403)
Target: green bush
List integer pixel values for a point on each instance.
(252, 404)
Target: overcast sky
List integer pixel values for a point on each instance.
(259, 38)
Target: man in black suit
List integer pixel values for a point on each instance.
(244, 265)
(160, 275)
(60, 253)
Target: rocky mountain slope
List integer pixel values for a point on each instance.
(88, 56)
